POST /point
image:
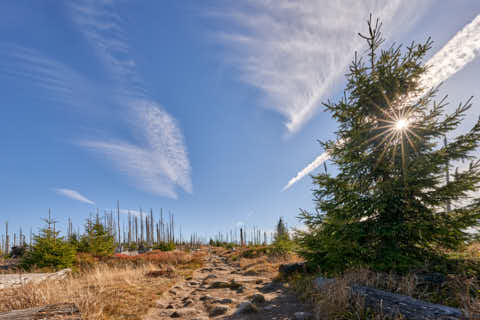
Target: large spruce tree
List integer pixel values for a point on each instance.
(392, 203)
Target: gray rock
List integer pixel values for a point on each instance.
(219, 284)
(224, 301)
(246, 307)
(257, 298)
(320, 283)
(187, 313)
(206, 298)
(269, 287)
(269, 307)
(303, 315)
(218, 310)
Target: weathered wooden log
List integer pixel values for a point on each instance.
(392, 304)
(62, 311)
(19, 279)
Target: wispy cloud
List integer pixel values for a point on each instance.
(295, 51)
(60, 82)
(156, 158)
(158, 162)
(159, 165)
(72, 194)
(463, 48)
(102, 27)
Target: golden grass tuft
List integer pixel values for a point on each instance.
(259, 264)
(105, 292)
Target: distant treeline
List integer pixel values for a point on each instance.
(139, 231)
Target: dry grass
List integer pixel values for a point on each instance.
(260, 263)
(9, 264)
(263, 265)
(106, 290)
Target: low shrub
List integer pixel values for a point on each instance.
(158, 257)
(165, 246)
(85, 261)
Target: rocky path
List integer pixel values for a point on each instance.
(220, 291)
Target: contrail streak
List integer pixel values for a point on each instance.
(456, 54)
(312, 166)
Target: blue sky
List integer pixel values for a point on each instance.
(206, 109)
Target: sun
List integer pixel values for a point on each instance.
(401, 124)
(395, 132)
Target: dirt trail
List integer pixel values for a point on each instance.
(220, 291)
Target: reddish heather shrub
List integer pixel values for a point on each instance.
(158, 257)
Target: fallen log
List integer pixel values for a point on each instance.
(19, 279)
(392, 304)
(62, 311)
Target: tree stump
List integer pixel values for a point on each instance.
(62, 311)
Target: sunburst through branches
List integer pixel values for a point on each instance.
(397, 128)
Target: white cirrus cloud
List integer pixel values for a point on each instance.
(158, 160)
(60, 82)
(161, 162)
(72, 194)
(295, 51)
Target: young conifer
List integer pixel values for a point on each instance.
(49, 249)
(390, 206)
